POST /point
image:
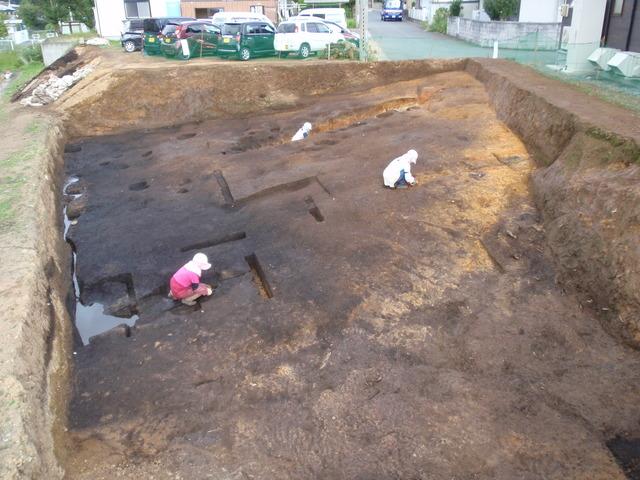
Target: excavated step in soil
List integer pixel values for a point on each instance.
(355, 332)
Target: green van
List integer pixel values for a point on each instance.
(246, 40)
(191, 39)
(152, 34)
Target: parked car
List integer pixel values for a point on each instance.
(391, 10)
(240, 17)
(247, 39)
(335, 15)
(304, 36)
(348, 35)
(153, 32)
(131, 35)
(190, 39)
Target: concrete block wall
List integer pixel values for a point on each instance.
(516, 35)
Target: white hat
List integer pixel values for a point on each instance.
(306, 126)
(201, 260)
(412, 156)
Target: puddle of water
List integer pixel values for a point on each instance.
(90, 320)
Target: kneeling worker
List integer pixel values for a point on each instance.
(185, 284)
(398, 172)
(302, 133)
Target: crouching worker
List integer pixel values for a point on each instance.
(302, 133)
(185, 284)
(398, 172)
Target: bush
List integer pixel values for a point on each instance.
(346, 51)
(455, 8)
(3, 27)
(30, 54)
(351, 23)
(439, 22)
(501, 9)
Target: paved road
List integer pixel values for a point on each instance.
(409, 41)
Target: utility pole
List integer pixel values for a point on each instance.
(362, 19)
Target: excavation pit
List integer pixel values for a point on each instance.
(441, 331)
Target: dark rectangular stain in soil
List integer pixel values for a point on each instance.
(627, 454)
(259, 276)
(224, 186)
(277, 189)
(314, 211)
(229, 237)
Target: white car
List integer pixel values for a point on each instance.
(239, 17)
(304, 36)
(335, 15)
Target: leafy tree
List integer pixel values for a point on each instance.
(37, 14)
(32, 16)
(501, 9)
(4, 32)
(439, 22)
(455, 8)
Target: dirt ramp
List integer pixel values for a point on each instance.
(588, 189)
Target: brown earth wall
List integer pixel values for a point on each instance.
(36, 329)
(587, 186)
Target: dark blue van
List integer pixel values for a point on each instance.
(391, 10)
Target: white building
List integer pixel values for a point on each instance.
(109, 14)
(540, 11)
(424, 10)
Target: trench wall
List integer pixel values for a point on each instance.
(125, 99)
(587, 186)
(36, 334)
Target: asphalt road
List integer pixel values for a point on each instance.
(407, 40)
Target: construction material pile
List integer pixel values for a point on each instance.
(52, 88)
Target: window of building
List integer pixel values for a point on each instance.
(617, 7)
(257, 9)
(137, 8)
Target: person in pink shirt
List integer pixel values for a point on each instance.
(185, 284)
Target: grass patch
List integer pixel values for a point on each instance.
(15, 168)
(22, 77)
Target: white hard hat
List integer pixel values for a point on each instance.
(201, 260)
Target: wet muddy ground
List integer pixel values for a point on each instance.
(355, 332)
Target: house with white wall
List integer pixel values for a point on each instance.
(540, 11)
(109, 14)
(424, 10)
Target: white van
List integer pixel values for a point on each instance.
(240, 17)
(335, 15)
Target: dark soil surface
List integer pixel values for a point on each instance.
(355, 332)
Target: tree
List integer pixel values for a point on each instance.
(501, 9)
(455, 8)
(32, 16)
(37, 14)
(4, 32)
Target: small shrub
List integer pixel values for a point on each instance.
(439, 23)
(455, 8)
(501, 9)
(346, 51)
(30, 54)
(4, 32)
(351, 23)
